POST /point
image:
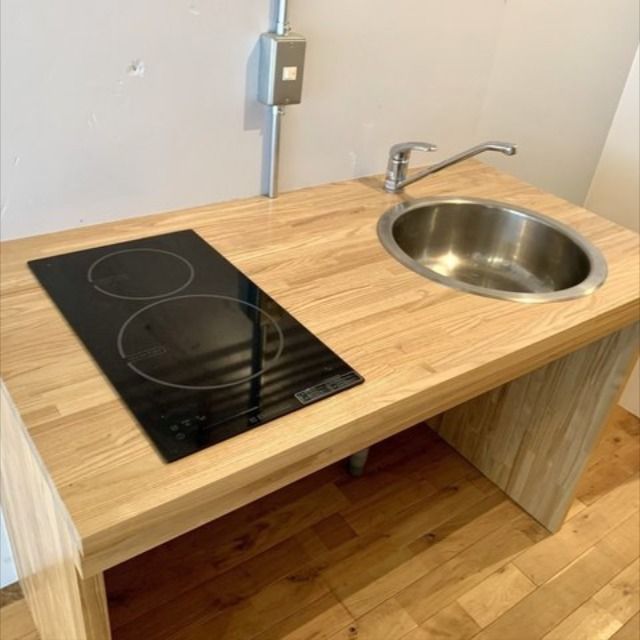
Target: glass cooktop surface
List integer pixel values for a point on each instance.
(195, 349)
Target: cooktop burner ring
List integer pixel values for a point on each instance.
(266, 366)
(165, 294)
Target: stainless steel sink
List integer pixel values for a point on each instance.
(492, 249)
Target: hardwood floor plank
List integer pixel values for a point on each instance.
(576, 507)
(623, 428)
(437, 547)
(607, 473)
(215, 548)
(319, 621)
(421, 519)
(438, 588)
(606, 612)
(16, 622)
(544, 609)
(289, 594)
(495, 595)
(623, 543)
(630, 631)
(239, 600)
(366, 579)
(247, 619)
(396, 495)
(387, 621)
(581, 532)
(614, 460)
(334, 531)
(621, 597)
(450, 623)
(588, 622)
(391, 491)
(466, 527)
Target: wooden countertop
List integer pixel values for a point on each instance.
(421, 347)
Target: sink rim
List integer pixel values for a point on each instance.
(598, 266)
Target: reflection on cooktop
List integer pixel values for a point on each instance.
(152, 347)
(195, 349)
(132, 274)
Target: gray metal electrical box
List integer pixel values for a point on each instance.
(281, 68)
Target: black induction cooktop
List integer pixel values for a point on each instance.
(195, 349)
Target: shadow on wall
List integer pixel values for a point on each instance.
(253, 110)
(256, 115)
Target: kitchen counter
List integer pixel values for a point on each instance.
(422, 348)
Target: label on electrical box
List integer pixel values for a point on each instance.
(289, 74)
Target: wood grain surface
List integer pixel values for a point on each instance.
(64, 606)
(534, 436)
(422, 348)
(420, 548)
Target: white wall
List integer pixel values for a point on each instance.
(615, 190)
(86, 138)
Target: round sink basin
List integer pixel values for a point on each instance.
(492, 249)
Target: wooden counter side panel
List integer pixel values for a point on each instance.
(44, 545)
(533, 436)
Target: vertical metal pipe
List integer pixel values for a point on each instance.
(282, 24)
(274, 150)
(282, 28)
(357, 462)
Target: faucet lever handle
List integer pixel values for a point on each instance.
(402, 150)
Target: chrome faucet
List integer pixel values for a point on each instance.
(399, 154)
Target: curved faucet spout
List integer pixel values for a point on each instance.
(507, 148)
(397, 180)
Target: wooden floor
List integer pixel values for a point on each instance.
(422, 547)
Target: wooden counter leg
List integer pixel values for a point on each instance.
(44, 541)
(534, 435)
